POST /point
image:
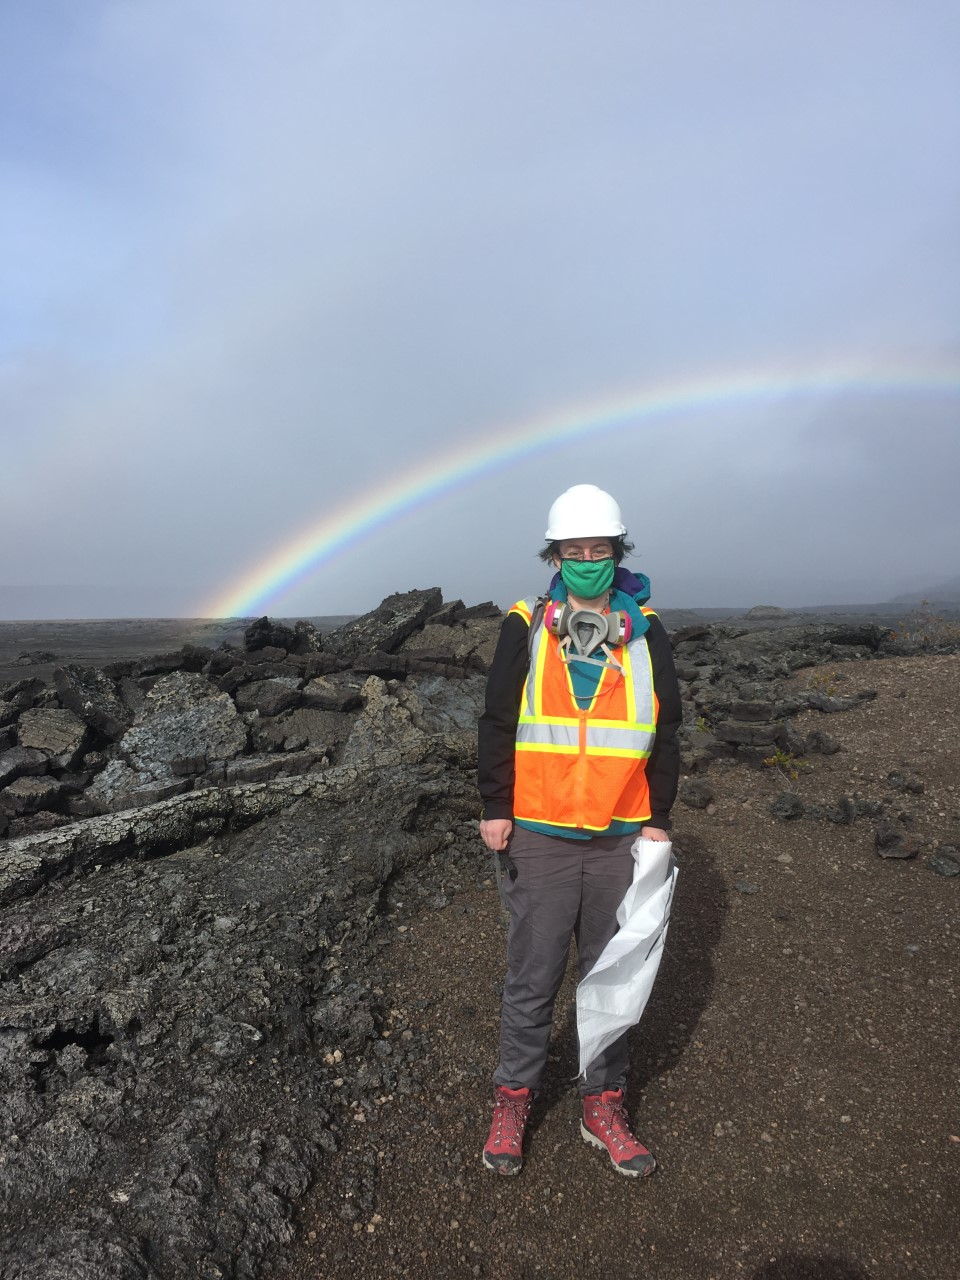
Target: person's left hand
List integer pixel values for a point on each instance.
(654, 833)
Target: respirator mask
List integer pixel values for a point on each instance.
(580, 631)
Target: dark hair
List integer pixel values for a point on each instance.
(622, 547)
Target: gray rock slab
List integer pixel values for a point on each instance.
(269, 697)
(306, 726)
(260, 768)
(332, 693)
(440, 706)
(753, 735)
(94, 697)
(183, 715)
(22, 762)
(386, 627)
(459, 644)
(423, 714)
(120, 787)
(27, 795)
(58, 732)
(249, 672)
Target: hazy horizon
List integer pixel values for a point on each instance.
(62, 604)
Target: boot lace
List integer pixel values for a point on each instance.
(614, 1118)
(510, 1120)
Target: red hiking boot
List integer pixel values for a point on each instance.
(605, 1125)
(504, 1150)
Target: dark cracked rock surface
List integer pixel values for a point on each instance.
(204, 856)
(162, 1020)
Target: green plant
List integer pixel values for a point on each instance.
(702, 724)
(825, 681)
(786, 763)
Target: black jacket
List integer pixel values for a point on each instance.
(498, 724)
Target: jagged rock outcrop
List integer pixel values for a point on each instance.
(234, 977)
(385, 628)
(266, 633)
(94, 697)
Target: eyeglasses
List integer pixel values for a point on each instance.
(589, 553)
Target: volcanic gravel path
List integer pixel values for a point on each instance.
(796, 1072)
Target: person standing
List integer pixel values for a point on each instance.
(578, 756)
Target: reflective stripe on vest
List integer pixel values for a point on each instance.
(524, 609)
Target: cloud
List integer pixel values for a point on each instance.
(257, 263)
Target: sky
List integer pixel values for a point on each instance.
(264, 266)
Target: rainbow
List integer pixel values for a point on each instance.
(288, 565)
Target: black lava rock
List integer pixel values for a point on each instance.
(696, 792)
(945, 861)
(787, 805)
(386, 627)
(890, 842)
(94, 697)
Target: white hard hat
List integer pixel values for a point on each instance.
(584, 511)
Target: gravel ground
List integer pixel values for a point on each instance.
(795, 1072)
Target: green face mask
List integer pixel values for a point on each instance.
(587, 579)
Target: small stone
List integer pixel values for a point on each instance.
(785, 858)
(697, 793)
(787, 806)
(890, 842)
(905, 782)
(844, 812)
(945, 862)
(744, 886)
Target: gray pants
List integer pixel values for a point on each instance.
(558, 890)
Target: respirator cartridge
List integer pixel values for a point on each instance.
(581, 631)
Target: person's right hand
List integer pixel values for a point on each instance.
(495, 832)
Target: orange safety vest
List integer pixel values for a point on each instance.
(583, 768)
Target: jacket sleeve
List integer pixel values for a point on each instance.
(498, 725)
(663, 767)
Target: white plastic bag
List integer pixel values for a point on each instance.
(615, 992)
